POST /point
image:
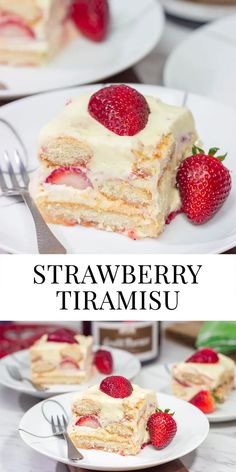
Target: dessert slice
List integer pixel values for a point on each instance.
(110, 159)
(206, 370)
(61, 358)
(112, 416)
(31, 31)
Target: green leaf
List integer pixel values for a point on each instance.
(213, 151)
(222, 158)
(197, 150)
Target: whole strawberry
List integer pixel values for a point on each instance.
(162, 428)
(103, 361)
(204, 400)
(120, 108)
(204, 184)
(92, 18)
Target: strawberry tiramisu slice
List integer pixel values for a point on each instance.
(31, 31)
(110, 160)
(205, 372)
(112, 416)
(61, 358)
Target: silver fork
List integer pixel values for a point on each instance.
(16, 375)
(59, 426)
(47, 242)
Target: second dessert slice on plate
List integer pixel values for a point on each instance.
(110, 159)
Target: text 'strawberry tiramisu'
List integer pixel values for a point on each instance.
(112, 416)
(110, 159)
(206, 376)
(31, 31)
(61, 358)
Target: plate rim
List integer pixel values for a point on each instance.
(198, 13)
(224, 244)
(125, 468)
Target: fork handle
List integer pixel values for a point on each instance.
(47, 242)
(72, 452)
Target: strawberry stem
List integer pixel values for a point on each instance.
(212, 152)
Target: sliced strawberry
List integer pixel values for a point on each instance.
(68, 363)
(103, 361)
(204, 356)
(89, 421)
(172, 215)
(62, 335)
(14, 27)
(204, 400)
(69, 176)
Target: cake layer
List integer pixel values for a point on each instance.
(190, 378)
(75, 138)
(120, 423)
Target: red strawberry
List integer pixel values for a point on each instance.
(91, 17)
(120, 109)
(103, 361)
(162, 428)
(204, 400)
(62, 335)
(204, 184)
(13, 26)
(68, 363)
(204, 356)
(69, 176)
(172, 215)
(116, 386)
(90, 421)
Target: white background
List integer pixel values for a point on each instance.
(214, 297)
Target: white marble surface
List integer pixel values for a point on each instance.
(216, 454)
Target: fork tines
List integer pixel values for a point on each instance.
(16, 171)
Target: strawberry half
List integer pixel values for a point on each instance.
(89, 421)
(69, 176)
(204, 356)
(103, 361)
(116, 386)
(62, 335)
(204, 184)
(204, 400)
(68, 363)
(120, 108)
(92, 18)
(14, 27)
(162, 428)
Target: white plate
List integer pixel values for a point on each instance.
(84, 61)
(199, 12)
(124, 364)
(215, 125)
(205, 62)
(224, 411)
(192, 427)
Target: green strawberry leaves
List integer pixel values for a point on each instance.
(167, 411)
(212, 152)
